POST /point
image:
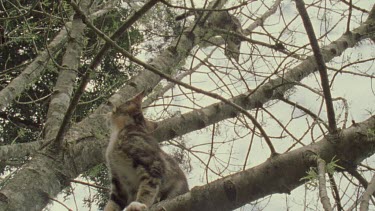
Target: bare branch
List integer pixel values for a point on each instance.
(89, 184)
(163, 75)
(367, 194)
(267, 178)
(355, 7)
(336, 193)
(151, 98)
(322, 185)
(307, 111)
(320, 64)
(259, 21)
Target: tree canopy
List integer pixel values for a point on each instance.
(265, 104)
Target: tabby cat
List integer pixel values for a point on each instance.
(141, 173)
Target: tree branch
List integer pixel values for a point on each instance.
(336, 193)
(279, 174)
(320, 65)
(169, 78)
(259, 21)
(86, 78)
(367, 194)
(154, 96)
(322, 185)
(355, 7)
(33, 71)
(18, 150)
(62, 93)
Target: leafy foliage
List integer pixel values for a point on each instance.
(312, 174)
(27, 27)
(99, 176)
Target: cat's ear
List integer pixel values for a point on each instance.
(114, 108)
(138, 98)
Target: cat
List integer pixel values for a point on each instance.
(141, 173)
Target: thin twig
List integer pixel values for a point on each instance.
(361, 180)
(251, 143)
(355, 7)
(59, 202)
(205, 9)
(359, 177)
(307, 111)
(336, 193)
(349, 17)
(151, 98)
(89, 184)
(211, 151)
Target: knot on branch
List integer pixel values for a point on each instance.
(4, 199)
(230, 191)
(335, 137)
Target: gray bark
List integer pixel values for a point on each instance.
(367, 195)
(62, 93)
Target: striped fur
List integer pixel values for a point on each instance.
(141, 173)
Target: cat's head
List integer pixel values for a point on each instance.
(130, 114)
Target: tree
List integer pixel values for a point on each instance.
(261, 80)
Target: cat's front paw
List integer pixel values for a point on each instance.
(136, 206)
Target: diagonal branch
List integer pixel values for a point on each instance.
(279, 174)
(86, 78)
(320, 64)
(216, 112)
(169, 78)
(33, 71)
(62, 93)
(166, 61)
(307, 111)
(259, 21)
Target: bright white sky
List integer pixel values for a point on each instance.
(358, 91)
